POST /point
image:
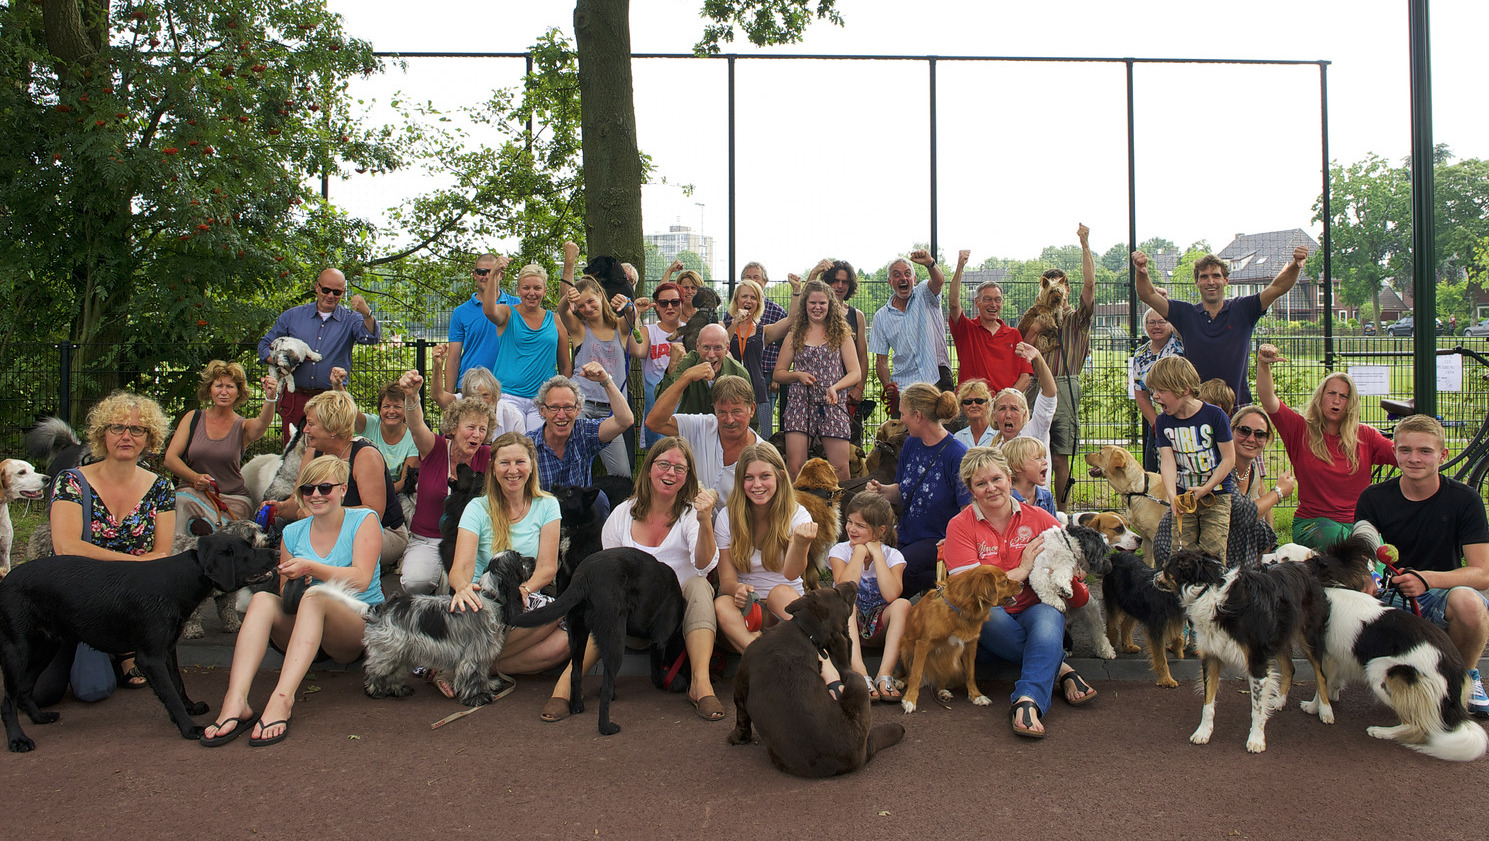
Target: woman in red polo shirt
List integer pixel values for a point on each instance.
(995, 529)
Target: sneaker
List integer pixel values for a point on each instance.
(1478, 702)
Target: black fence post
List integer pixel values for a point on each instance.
(935, 222)
(419, 359)
(64, 381)
(1327, 281)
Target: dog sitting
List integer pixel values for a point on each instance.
(1071, 552)
(18, 480)
(1130, 599)
(817, 491)
(1141, 492)
(779, 690)
(287, 353)
(884, 460)
(116, 608)
(941, 632)
(1248, 618)
(616, 592)
(580, 526)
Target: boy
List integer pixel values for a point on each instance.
(1194, 445)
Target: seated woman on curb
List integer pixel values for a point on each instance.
(672, 520)
(333, 543)
(763, 535)
(209, 459)
(995, 529)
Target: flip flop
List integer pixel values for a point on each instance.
(888, 692)
(438, 680)
(557, 709)
(272, 740)
(708, 708)
(241, 725)
(1080, 686)
(1025, 728)
(873, 693)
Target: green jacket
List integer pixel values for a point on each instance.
(698, 398)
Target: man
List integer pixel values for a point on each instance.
(1437, 524)
(713, 351)
(1065, 351)
(984, 348)
(330, 331)
(716, 439)
(910, 324)
(770, 313)
(1217, 332)
(472, 337)
(568, 443)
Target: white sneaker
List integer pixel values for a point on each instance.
(1478, 702)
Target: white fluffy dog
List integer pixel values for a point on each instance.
(1070, 551)
(18, 480)
(285, 355)
(1295, 552)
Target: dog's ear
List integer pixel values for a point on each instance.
(1119, 458)
(224, 560)
(801, 603)
(1085, 518)
(590, 495)
(848, 590)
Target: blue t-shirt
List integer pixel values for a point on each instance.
(1043, 498)
(931, 488)
(1195, 442)
(297, 542)
(1220, 346)
(476, 334)
(524, 533)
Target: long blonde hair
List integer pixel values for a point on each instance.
(589, 286)
(496, 501)
(1349, 425)
(835, 324)
(778, 513)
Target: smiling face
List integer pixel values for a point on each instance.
(391, 412)
(817, 305)
(975, 406)
(669, 309)
(860, 532)
(1419, 454)
(1251, 432)
(990, 491)
(319, 504)
(1211, 282)
(734, 420)
(1158, 329)
(713, 343)
(689, 288)
(531, 290)
(315, 434)
(754, 273)
(512, 467)
(902, 280)
(669, 470)
(469, 434)
(839, 284)
(588, 307)
(759, 484)
(330, 288)
(560, 408)
(989, 303)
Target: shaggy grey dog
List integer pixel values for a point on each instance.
(271, 477)
(285, 355)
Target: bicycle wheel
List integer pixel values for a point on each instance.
(1476, 479)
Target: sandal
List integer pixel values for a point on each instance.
(708, 708)
(1025, 710)
(1080, 686)
(888, 693)
(557, 709)
(438, 680)
(132, 678)
(873, 692)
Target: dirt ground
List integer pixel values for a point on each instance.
(1119, 767)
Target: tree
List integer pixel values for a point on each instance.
(692, 260)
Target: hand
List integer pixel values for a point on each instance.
(441, 352)
(856, 393)
(619, 302)
(1026, 351)
(702, 372)
(271, 387)
(1286, 484)
(962, 257)
(1201, 493)
(676, 267)
(1083, 234)
(1300, 256)
(1268, 354)
(796, 283)
(571, 253)
(202, 482)
(832, 395)
(465, 599)
(502, 261)
(359, 304)
(805, 378)
(1409, 585)
(1031, 551)
(874, 487)
(294, 568)
(338, 379)
(742, 595)
(411, 382)
(572, 294)
(643, 304)
(806, 532)
(922, 257)
(1173, 505)
(1140, 262)
(703, 504)
(594, 372)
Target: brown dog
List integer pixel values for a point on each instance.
(884, 461)
(1141, 492)
(1051, 303)
(940, 642)
(817, 491)
(779, 690)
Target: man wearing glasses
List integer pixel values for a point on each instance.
(717, 436)
(473, 338)
(568, 443)
(700, 369)
(330, 331)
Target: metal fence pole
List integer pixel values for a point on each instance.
(1423, 229)
(733, 239)
(1327, 279)
(935, 236)
(419, 359)
(64, 381)
(1132, 331)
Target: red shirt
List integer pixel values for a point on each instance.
(971, 539)
(1329, 490)
(988, 356)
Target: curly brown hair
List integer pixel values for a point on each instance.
(836, 324)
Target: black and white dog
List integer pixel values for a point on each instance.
(1248, 618)
(271, 477)
(286, 353)
(1070, 551)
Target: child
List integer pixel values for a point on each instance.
(869, 557)
(1215, 392)
(1030, 465)
(1195, 447)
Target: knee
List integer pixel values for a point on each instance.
(417, 585)
(1466, 607)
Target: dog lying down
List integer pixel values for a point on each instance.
(780, 692)
(116, 608)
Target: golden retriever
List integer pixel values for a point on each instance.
(818, 492)
(940, 642)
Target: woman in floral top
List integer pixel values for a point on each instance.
(1162, 341)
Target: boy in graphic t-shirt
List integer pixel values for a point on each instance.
(1195, 451)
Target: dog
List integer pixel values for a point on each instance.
(466, 486)
(1051, 305)
(1113, 529)
(1248, 618)
(706, 311)
(1069, 552)
(611, 275)
(1295, 552)
(18, 480)
(1142, 492)
(941, 632)
(116, 608)
(287, 353)
(226, 602)
(884, 459)
(779, 691)
(1130, 599)
(616, 592)
(579, 531)
(53, 443)
(818, 492)
(271, 477)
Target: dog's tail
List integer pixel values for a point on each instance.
(342, 592)
(554, 610)
(50, 437)
(1442, 717)
(1463, 743)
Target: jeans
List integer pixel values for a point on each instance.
(1034, 640)
(920, 566)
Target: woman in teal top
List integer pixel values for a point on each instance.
(532, 344)
(334, 543)
(514, 514)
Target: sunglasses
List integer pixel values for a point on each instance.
(334, 293)
(120, 429)
(670, 302)
(325, 488)
(974, 401)
(1248, 432)
(481, 272)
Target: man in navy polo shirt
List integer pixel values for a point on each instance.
(1217, 332)
(473, 339)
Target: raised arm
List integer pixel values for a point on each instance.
(924, 258)
(567, 300)
(444, 388)
(1088, 268)
(660, 420)
(413, 413)
(1144, 284)
(255, 427)
(1041, 368)
(496, 313)
(1266, 388)
(1285, 278)
(776, 331)
(571, 259)
(954, 294)
(621, 417)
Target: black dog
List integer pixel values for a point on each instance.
(580, 526)
(116, 608)
(706, 306)
(1131, 599)
(53, 443)
(611, 275)
(779, 690)
(467, 485)
(616, 592)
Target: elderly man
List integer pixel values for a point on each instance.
(713, 352)
(473, 338)
(717, 439)
(910, 325)
(330, 331)
(984, 347)
(567, 443)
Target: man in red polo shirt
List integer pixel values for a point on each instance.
(984, 347)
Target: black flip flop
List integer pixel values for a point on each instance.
(272, 740)
(1080, 686)
(1023, 729)
(242, 724)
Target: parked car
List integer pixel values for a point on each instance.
(1406, 326)
(1479, 330)
(1368, 328)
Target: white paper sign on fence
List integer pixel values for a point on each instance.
(1372, 379)
(1450, 372)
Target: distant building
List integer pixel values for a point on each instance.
(1255, 260)
(680, 238)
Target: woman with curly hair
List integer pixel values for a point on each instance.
(206, 451)
(819, 363)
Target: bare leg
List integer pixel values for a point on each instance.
(700, 651)
(531, 650)
(1060, 479)
(797, 444)
(591, 657)
(263, 615)
(320, 623)
(837, 453)
(894, 630)
(732, 624)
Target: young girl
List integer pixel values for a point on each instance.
(826, 366)
(870, 558)
(1030, 463)
(1194, 445)
(597, 334)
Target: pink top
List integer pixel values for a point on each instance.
(434, 485)
(971, 540)
(1329, 490)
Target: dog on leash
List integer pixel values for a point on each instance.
(1131, 599)
(616, 592)
(1141, 492)
(941, 632)
(884, 460)
(18, 480)
(1070, 552)
(225, 602)
(818, 492)
(287, 353)
(779, 691)
(116, 608)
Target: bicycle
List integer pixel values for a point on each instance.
(1471, 465)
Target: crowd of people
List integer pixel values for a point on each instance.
(536, 398)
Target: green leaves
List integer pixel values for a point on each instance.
(763, 22)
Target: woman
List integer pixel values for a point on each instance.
(597, 334)
(112, 510)
(478, 382)
(671, 519)
(1162, 341)
(997, 530)
(330, 419)
(206, 452)
(532, 345)
(844, 282)
(334, 543)
(747, 341)
(461, 440)
(514, 514)
(1330, 449)
(926, 486)
(1251, 430)
(819, 364)
(388, 431)
(1011, 415)
(975, 397)
(688, 281)
(763, 535)
(667, 300)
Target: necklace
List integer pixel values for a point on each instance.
(1250, 466)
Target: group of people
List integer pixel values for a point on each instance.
(714, 500)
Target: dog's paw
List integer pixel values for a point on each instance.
(738, 737)
(1201, 736)
(982, 701)
(609, 728)
(1131, 648)
(576, 706)
(477, 699)
(194, 733)
(1104, 649)
(1168, 682)
(943, 695)
(22, 744)
(908, 705)
(1256, 744)
(45, 717)
(1387, 733)
(192, 631)
(197, 708)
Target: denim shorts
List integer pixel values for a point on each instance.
(1434, 604)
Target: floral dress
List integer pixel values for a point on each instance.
(134, 533)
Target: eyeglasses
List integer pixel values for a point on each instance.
(324, 488)
(481, 272)
(669, 302)
(569, 409)
(974, 401)
(669, 467)
(120, 429)
(1248, 432)
(334, 293)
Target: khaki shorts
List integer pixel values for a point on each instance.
(1065, 428)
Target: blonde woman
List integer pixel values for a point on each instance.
(597, 334)
(820, 363)
(532, 345)
(747, 341)
(763, 535)
(975, 396)
(206, 451)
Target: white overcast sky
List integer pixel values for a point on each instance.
(833, 157)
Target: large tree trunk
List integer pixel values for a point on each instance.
(612, 162)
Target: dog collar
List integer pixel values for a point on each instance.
(1147, 483)
(941, 591)
(821, 649)
(822, 492)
